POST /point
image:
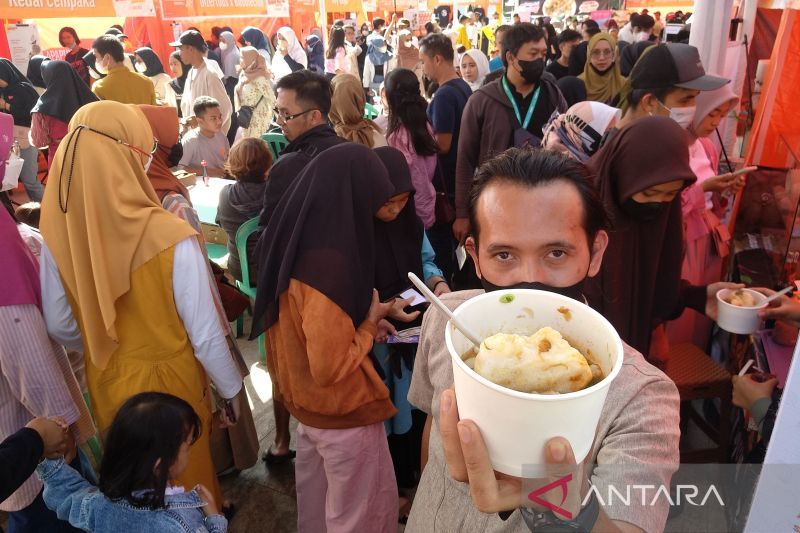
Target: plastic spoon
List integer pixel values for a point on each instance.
(474, 339)
(778, 294)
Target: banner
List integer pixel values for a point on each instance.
(278, 8)
(585, 7)
(134, 8)
(23, 42)
(172, 9)
(31, 9)
(654, 5)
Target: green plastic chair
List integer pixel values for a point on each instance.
(276, 143)
(242, 236)
(371, 112)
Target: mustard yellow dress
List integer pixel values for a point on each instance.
(154, 354)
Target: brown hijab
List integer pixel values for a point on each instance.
(602, 86)
(639, 285)
(164, 123)
(101, 218)
(347, 111)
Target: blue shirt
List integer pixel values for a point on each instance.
(445, 112)
(496, 64)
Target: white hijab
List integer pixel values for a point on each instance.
(296, 50)
(482, 62)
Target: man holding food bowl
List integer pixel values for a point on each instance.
(537, 223)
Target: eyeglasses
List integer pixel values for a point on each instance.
(120, 141)
(286, 118)
(602, 53)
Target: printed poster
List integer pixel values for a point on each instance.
(23, 41)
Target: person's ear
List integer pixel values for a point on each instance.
(599, 247)
(472, 249)
(649, 104)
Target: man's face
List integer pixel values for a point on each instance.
(566, 48)
(350, 35)
(676, 98)
(430, 65)
(530, 51)
(102, 61)
(211, 121)
(546, 245)
(288, 107)
(190, 55)
(498, 39)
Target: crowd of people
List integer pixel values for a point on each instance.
(482, 156)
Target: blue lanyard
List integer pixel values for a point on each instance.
(513, 101)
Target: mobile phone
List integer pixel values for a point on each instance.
(418, 301)
(229, 412)
(744, 170)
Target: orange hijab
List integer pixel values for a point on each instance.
(163, 121)
(101, 218)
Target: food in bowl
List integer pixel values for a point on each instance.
(741, 298)
(542, 363)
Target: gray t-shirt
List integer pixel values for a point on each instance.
(639, 425)
(197, 147)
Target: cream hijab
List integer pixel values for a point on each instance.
(347, 111)
(101, 218)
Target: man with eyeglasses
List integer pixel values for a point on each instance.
(303, 103)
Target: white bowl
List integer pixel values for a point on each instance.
(517, 425)
(741, 320)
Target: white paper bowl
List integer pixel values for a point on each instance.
(741, 320)
(516, 425)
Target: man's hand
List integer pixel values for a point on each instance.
(55, 436)
(225, 420)
(711, 296)
(461, 229)
(747, 390)
(468, 461)
(783, 308)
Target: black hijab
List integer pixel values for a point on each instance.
(322, 234)
(640, 280)
(178, 83)
(398, 244)
(151, 61)
(573, 89)
(66, 92)
(34, 73)
(19, 93)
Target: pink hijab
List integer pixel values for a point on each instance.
(20, 269)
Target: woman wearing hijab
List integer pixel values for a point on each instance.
(474, 68)
(639, 175)
(254, 37)
(407, 53)
(131, 291)
(254, 91)
(320, 326)
(230, 58)
(65, 94)
(34, 73)
(36, 381)
(347, 113)
(578, 132)
(706, 237)
(17, 97)
(240, 447)
(402, 247)
(601, 72)
(69, 39)
(378, 63)
(315, 52)
(181, 71)
(290, 55)
(148, 63)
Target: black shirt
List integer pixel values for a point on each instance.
(557, 70)
(541, 113)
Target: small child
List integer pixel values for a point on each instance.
(146, 446)
(206, 142)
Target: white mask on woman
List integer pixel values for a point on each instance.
(140, 67)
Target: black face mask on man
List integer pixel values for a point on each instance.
(642, 211)
(531, 71)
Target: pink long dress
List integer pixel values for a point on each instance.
(706, 244)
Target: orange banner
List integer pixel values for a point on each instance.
(212, 8)
(656, 4)
(32, 9)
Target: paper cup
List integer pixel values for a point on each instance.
(741, 320)
(516, 425)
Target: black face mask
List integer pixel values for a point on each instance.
(643, 212)
(573, 291)
(531, 70)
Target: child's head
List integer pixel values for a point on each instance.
(28, 213)
(249, 160)
(208, 113)
(146, 446)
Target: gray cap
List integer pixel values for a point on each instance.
(673, 65)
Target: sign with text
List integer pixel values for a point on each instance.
(28, 9)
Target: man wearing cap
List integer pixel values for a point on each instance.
(201, 81)
(119, 83)
(665, 81)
